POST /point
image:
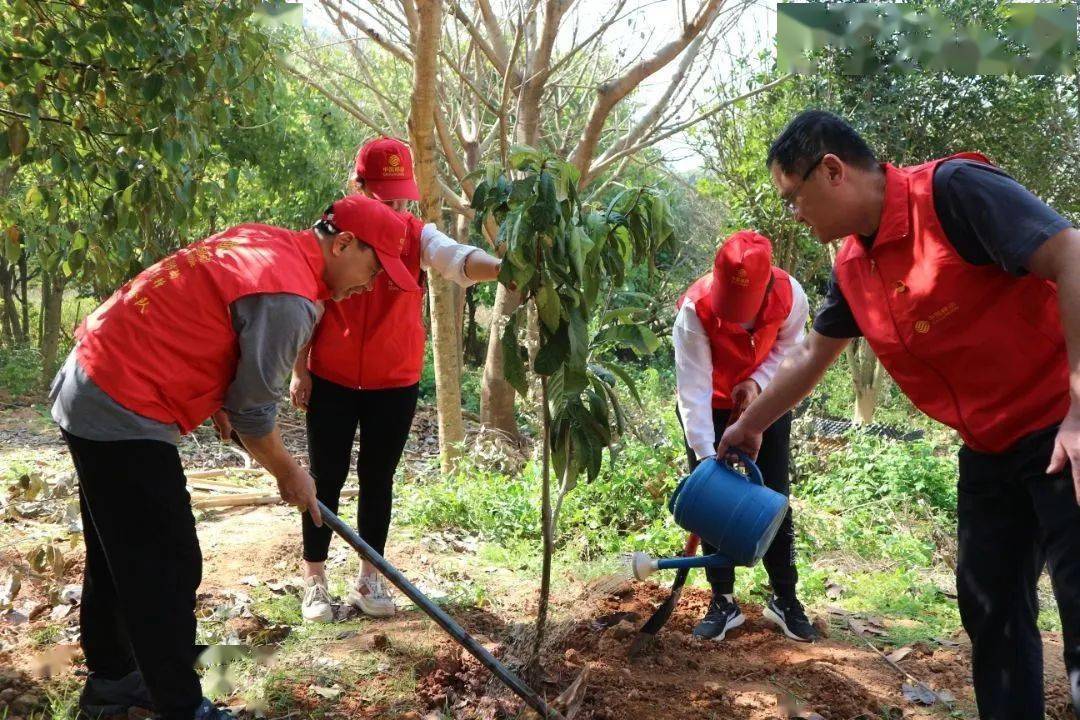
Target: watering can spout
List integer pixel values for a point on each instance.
(644, 565)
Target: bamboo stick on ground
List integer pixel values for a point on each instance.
(248, 500)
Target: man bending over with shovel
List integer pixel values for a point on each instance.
(734, 327)
(212, 329)
(967, 287)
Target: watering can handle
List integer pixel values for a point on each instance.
(754, 474)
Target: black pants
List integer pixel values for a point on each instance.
(384, 418)
(1012, 519)
(773, 460)
(143, 566)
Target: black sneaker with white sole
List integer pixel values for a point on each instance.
(789, 616)
(723, 615)
(208, 711)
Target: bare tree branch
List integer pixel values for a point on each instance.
(600, 30)
(331, 7)
(505, 98)
(480, 94)
(537, 72)
(612, 92)
(348, 107)
(409, 10)
(498, 60)
(494, 30)
(600, 167)
(394, 27)
(653, 114)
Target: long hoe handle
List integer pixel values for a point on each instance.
(437, 614)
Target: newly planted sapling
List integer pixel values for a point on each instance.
(570, 260)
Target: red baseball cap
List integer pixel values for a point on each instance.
(378, 226)
(385, 165)
(741, 274)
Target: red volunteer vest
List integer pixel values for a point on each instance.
(163, 345)
(375, 340)
(973, 346)
(736, 352)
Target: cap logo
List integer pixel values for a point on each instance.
(740, 277)
(393, 166)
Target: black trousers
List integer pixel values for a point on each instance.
(1012, 518)
(143, 566)
(773, 461)
(384, 418)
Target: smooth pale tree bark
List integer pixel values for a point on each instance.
(867, 378)
(445, 337)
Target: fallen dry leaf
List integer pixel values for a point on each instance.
(330, 693)
(899, 654)
(919, 693)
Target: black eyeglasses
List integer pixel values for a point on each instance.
(789, 198)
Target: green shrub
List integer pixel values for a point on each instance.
(20, 369)
(870, 468)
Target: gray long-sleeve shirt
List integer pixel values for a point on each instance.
(270, 329)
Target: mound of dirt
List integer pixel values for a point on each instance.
(755, 674)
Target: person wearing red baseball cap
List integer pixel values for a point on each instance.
(733, 328)
(212, 329)
(362, 371)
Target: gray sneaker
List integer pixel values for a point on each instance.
(371, 596)
(316, 606)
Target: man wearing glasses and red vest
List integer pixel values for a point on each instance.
(363, 372)
(734, 327)
(212, 329)
(967, 287)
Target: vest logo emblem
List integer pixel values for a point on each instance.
(923, 326)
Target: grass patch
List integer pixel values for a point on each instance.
(45, 637)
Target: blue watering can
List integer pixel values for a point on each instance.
(730, 510)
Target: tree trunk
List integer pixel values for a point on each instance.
(443, 307)
(446, 351)
(496, 395)
(52, 298)
(9, 318)
(24, 283)
(867, 377)
(472, 350)
(545, 525)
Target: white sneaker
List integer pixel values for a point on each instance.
(371, 596)
(316, 606)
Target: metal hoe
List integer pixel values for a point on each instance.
(437, 614)
(432, 610)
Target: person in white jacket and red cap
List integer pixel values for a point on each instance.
(733, 328)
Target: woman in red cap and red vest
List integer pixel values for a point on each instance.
(363, 371)
(734, 327)
(967, 287)
(211, 329)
